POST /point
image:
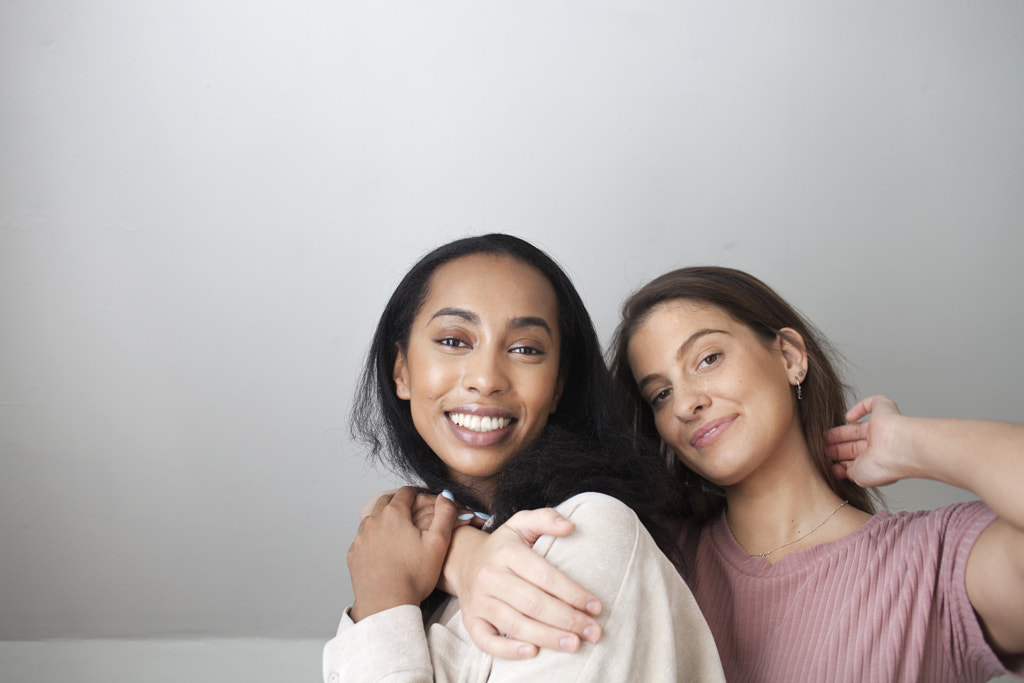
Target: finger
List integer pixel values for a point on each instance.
(848, 450)
(379, 503)
(487, 638)
(535, 616)
(562, 600)
(860, 410)
(423, 501)
(508, 624)
(851, 432)
(840, 470)
(444, 517)
(404, 499)
(423, 520)
(532, 524)
(369, 506)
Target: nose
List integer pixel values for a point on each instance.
(485, 373)
(689, 401)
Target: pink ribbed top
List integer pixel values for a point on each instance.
(884, 603)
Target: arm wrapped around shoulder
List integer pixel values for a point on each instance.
(653, 629)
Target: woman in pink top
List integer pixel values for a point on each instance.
(797, 575)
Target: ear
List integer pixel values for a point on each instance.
(794, 354)
(559, 387)
(401, 376)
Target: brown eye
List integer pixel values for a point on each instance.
(659, 397)
(453, 342)
(709, 360)
(526, 350)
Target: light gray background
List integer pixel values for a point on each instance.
(204, 205)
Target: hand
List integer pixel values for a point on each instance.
(422, 510)
(513, 600)
(872, 452)
(391, 561)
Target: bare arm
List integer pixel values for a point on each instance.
(985, 458)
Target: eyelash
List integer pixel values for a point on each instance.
(659, 397)
(456, 343)
(706, 358)
(453, 342)
(527, 350)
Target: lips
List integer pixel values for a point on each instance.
(479, 426)
(711, 431)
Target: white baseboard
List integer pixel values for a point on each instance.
(161, 661)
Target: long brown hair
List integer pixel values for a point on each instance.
(756, 305)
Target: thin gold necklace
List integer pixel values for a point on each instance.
(765, 555)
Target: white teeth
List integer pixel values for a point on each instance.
(475, 423)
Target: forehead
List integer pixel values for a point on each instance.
(492, 286)
(669, 324)
(685, 316)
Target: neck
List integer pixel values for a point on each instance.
(482, 490)
(787, 509)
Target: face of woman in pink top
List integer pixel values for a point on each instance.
(721, 397)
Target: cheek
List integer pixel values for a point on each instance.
(664, 422)
(540, 385)
(433, 381)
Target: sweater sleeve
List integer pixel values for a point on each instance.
(653, 629)
(388, 646)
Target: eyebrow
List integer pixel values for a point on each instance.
(514, 324)
(683, 349)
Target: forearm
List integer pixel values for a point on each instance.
(985, 458)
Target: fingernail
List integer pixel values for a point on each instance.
(591, 633)
(466, 515)
(594, 607)
(525, 651)
(567, 644)
(562, 520)
(448, 494)
(482, 515)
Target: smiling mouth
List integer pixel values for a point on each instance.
(476, 423)
(708, 434)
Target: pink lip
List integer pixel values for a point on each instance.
(711, 431)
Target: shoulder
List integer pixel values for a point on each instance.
(952, 521)
(584, 507)
(607, 544)
(604, 525)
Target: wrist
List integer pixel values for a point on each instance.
(368, 607)
(910, 435)
(464, 540)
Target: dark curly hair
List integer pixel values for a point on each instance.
(587, 445)
(756, 305)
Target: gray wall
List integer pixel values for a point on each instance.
(204, 205)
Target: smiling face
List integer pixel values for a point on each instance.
(720, 395)
(481, 369)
